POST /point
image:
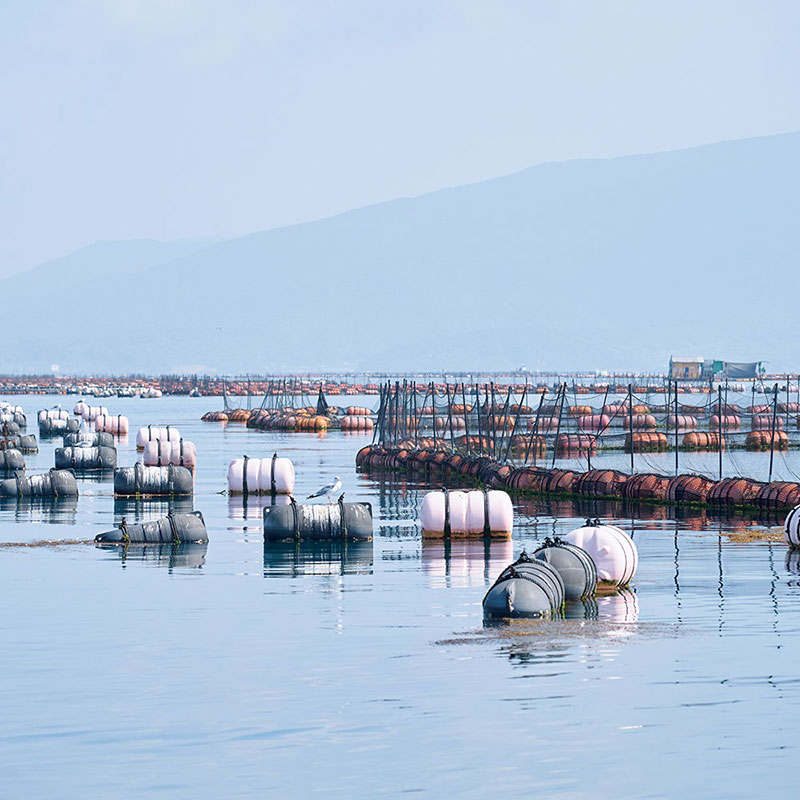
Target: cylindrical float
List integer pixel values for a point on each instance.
(57, 426)
(11, 461)
(526, 588)
(25, 443)
(55, 483)
(320, 521)
(261, 475)
(86, 457)
(89, 439)
(141, 480)
(152, 433)
(116, 424)
(467, 513)
(94, 412)
(52, 413)
(575, 566)
(791, 528)
(175, 528)
(611, 549)
(157, 453)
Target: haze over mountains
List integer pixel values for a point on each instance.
(594, 264)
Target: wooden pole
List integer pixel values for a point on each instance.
(630, 420)
(772, 438)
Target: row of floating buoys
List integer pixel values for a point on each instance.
(686, 488)
(280, 421)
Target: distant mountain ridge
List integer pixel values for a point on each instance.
(590, 264)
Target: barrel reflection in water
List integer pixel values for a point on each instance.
(143, 509)
(251, 507)
(463, 563)
(58, 510)
(189, 555)
(331, 557)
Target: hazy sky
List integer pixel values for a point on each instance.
(184, 118)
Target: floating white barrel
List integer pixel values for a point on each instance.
(80, 409)
(93, 412)
(153, 433)
(7, 408)
(117, 424)
(158, 453)
(256, 475)
(466, 513)
(611, 549)
(52, 413)
(791, 528)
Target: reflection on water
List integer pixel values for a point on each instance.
(691, 517)
(400, 661)
(95, 475)
(137, 509)
(58, 510)
(187, 555)
(318, 558)
(464, 563)
(251, 507)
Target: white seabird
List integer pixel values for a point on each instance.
(328, 489)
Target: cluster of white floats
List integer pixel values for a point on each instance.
(470, 513)
(161, 445)
(559, 572)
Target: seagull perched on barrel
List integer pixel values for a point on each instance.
(328, 489)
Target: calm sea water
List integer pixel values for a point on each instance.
(234, 670)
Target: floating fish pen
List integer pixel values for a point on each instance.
(279, 411)
(598, 483)
(501, 442)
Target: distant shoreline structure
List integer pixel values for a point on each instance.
(340, 383)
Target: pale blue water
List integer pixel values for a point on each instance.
(229, 671)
